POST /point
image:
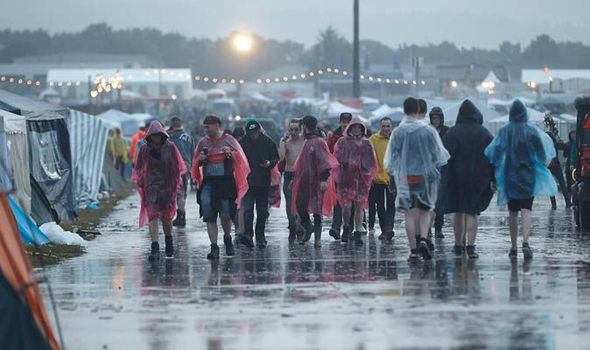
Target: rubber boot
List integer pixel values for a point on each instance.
(229, 246)
(346, 233)
(169, 246)
(155, 252)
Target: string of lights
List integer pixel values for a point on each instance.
(102, 82)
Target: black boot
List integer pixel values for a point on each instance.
(155, 252)
(553, 203)
(308, 231)
(346, 233)
(260, 240)
(358, 237)
(438, 233)
(423, 248)
(229, 246)
(334, 233)
(169, 246)
(246, 239)
(471, 252)
(214, 253)
(292, 236)
(180, 220)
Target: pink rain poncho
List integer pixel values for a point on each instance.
(157, 176)
(358, 166)
(216, 155)
(314, 159)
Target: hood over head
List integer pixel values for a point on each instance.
(437, 111)
(355, 120)
(518, 112)
(156, 128)
(469, 113)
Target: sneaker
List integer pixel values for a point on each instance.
(527, 252)
(246, 240)
(358, 238)
(155, 252)
(438, 233)
(413, 256)
(386, 236)
(180, 220)
(513, 254)
(471, 252)
(425, 249)
(229, 246)
(346, 233)
(458, 250)
(214, 253)
(334, 233)
(169, 246)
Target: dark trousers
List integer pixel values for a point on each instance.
(258, 196)
(120, 165)
(558, 174)
(382, 203)
(287, 180)
(304, 216)
(439, 220)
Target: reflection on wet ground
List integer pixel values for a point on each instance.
(336, 297)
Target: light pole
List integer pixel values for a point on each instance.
(356, 88)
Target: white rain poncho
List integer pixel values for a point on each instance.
(414, 157)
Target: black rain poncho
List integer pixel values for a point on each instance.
(467, 175)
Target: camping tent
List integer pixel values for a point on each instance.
(49, 150)
(29, 232)
(25, 324)
(88, 138)
(116, 119)
(16, 161)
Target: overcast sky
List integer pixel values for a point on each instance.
(465, 22)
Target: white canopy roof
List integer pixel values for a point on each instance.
(142, 75)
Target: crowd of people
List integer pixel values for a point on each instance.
(428, 168)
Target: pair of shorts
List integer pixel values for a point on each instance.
(515, 205)
(413, 203)
(211, 211)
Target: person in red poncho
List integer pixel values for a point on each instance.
(312, 192)
(220, 168)
(354, 176)
(157, 173)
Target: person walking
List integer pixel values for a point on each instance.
(119, 150)
(289, 149)
(262, 156)
(437, 120)
(220, 169)
(354, 176)
(381, 200)
(186, 146)
(414, 157)
(520, 154)
(555, 165)
(312, 192)
(467, 177)
(157, 174)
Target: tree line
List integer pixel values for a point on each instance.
(219, 57)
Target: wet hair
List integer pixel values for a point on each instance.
(295, 121)
(385, 119)
(175, 123)
(310, 121)
(410, 106)
(345, 116)
(422, 108)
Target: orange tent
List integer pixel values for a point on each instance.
(16, 268)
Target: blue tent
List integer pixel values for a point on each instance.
(29, 232)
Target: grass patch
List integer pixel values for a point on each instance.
(88, 220)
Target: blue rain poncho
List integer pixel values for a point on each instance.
(415, 151)
(520, 154)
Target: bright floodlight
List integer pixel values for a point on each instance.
(243, 43)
